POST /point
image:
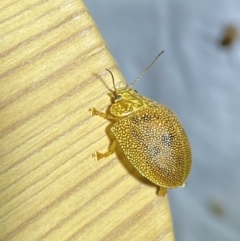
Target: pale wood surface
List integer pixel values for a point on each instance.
(53, 64)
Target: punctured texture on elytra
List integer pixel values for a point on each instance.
(156, 144)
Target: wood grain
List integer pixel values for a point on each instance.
(53, 62)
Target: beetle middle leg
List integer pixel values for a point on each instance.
(110, 151)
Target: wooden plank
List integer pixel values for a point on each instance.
(53, 62)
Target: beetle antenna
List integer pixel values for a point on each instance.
(149, 66)
(112, 78)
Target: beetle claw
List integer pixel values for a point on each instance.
(97, 156)
(92, 111)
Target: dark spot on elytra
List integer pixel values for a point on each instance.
(167, 139)
(146, 118)
(135, 120)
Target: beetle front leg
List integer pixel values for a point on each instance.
(103, 115)
(110, 151)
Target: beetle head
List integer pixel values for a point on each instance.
(127, 100)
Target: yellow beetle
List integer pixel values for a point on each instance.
(151, 137)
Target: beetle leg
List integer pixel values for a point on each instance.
(103, 115)
(162, 191)
(110, 151)
(184, 184)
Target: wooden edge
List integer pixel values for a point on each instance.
(53, 70)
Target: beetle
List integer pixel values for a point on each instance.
(150, 135)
